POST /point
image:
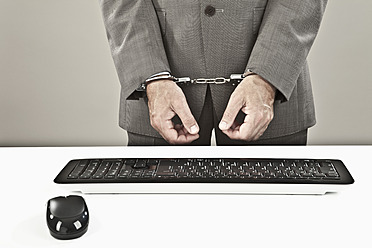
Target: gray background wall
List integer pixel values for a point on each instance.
(58, 85)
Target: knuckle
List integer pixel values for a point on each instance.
(267, 118)
(172, 142)
(272, 116)
(155, 121)
(243, 136)
(259, 118)
(260, 115)
(249, 137)
(152, 122)
(153, 116)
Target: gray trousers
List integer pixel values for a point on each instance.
(207, 123)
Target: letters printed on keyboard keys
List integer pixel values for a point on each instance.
(211, 169)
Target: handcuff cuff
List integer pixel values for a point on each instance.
(234, 80)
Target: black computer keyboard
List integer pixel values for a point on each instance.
(204, 170)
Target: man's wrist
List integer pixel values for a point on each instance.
(258, 77)
(159, 76)
(267, 85)
(159, 84)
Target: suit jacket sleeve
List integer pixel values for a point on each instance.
(135, 40)
(286, 34)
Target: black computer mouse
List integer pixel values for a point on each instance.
(67, 217)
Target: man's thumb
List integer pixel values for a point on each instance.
(229, 116)
(187, 118)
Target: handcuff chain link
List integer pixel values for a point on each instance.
(219, 80)
(234, 79)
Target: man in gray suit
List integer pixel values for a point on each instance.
(266, 40)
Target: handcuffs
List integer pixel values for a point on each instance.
(234, 80)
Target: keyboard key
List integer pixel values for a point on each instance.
(78, 169)
(148, 174)
(256, 174)
(102, 169)
(97, 176)
(280, 175)
(182, 175)
(266, 175)
(306, 174)
(124, 173)
(165, 174)
(137, 172)
(164, 170)
(93, 165)
(85, 176)
(130, 162)
(318, 175)
(73, 176)
(153, 162)
(115, 167)
(328, 169)
(332, 174)
(141, 163)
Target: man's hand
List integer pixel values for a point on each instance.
(255, 97)
(166, 100)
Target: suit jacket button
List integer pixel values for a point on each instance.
(210, 11)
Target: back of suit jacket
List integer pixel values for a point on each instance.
(208, 39)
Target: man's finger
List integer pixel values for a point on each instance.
(181, 108)
(249, 130)
(233, 107)
(180, 129)
(178, 137)
(241, 132)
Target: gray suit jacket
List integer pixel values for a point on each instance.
(270, 37)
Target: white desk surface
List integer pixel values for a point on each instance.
(333, 220)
